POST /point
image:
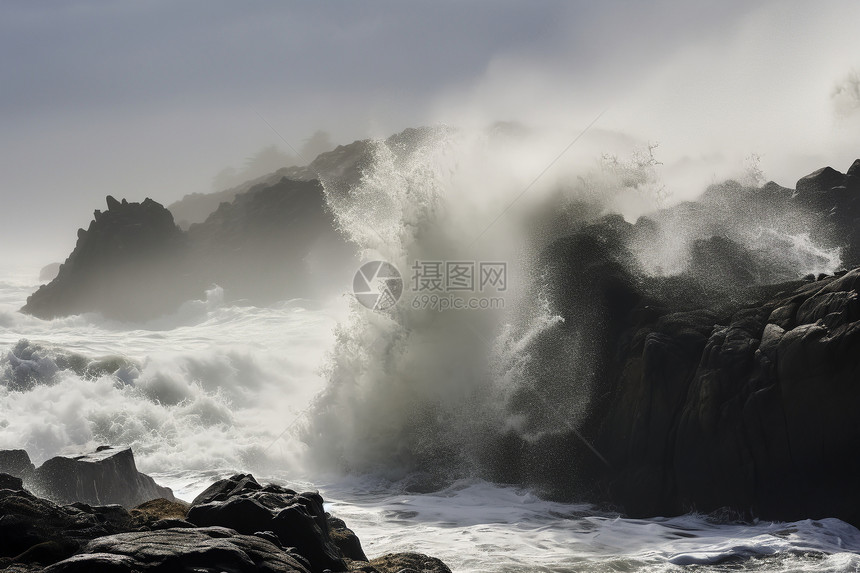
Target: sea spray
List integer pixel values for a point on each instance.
(208, 388)
(414, 389)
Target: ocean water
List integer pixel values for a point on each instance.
(219, 388)
(365, 406)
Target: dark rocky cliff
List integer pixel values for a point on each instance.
(726, 386)
(112, 267)
(273, 242)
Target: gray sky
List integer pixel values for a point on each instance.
(140, 99)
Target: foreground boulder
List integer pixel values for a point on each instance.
(35, 530)
(107, 476)
(272, 528)
(199, 549)
(16, 463)
(296, 520)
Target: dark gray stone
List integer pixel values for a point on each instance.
(297, 520)
(181, 549)
(819, 181)
(11, 482)
(107, 476)
(16, 463)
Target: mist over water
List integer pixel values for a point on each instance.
(209, 387)
(391, 392)
(374, 406)
(399, 415)
(418, 390)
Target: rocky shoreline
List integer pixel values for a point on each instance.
(730, 387)
(235, 525)
(723, 381)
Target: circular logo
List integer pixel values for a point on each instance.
(377, 285)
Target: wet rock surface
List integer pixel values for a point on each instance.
(235, 525)
(106, 476)
(724, 386)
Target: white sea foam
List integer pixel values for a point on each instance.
(209, 392)
(211, 386)
(330, 390)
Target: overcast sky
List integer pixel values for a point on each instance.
(140, 99)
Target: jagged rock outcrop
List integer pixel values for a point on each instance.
(723, 386)
(197, 207)
(273, 242)
(752, 410)
(106, 476)
(293, 519)
(270, 528)
(16, 463)
(113, 266)
(273, 238)
(338, 169)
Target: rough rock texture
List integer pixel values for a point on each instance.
(401, 562)
(11, 482)
(112, 265)
(753, 410)
(16, 463)
(730, 383)
(295, 520)
(106, 476)
(162, 509)
(33, 529)
(821, 181)
(345, 539)
(198, 549)
(261, 528)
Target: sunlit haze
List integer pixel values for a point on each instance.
(155, 99)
